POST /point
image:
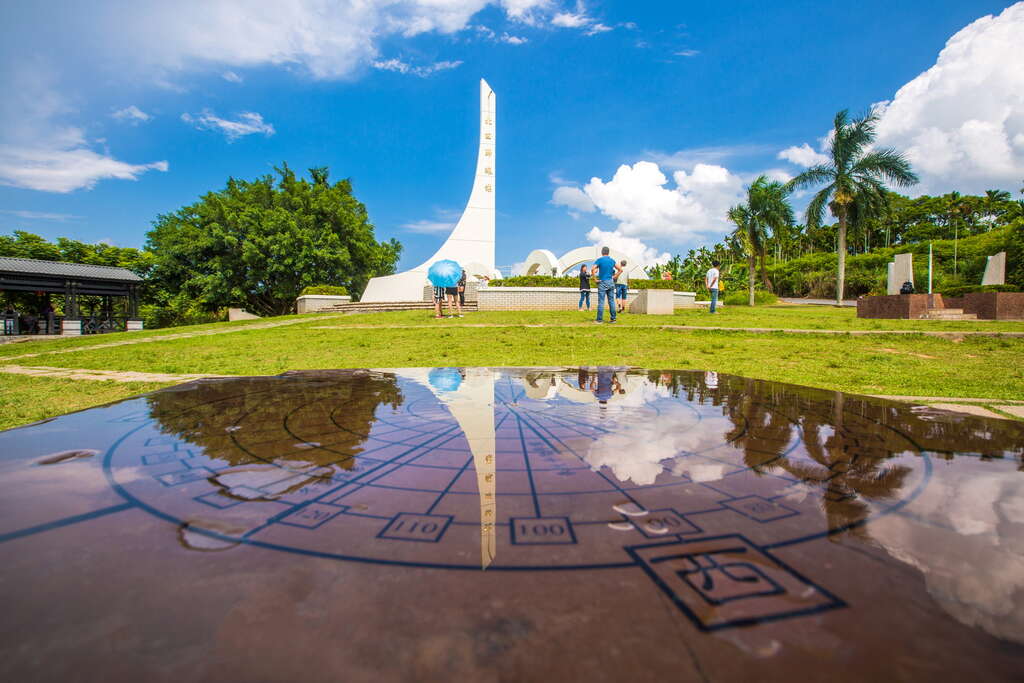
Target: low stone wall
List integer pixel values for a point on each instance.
(898, 306)
(471, 291)
(311, 303)
(557, 298)
(991, 305)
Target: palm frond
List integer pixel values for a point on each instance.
(886, 163)
(816, 207)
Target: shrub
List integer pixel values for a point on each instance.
(971, 289)
(536, 281)
(326, 290)
(742, 298)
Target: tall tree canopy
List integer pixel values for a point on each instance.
(854, 177)
(258, 244)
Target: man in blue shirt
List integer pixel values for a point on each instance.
(606, 270)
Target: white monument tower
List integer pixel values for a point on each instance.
(471, 243)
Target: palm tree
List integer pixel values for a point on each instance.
(769, 210)
(744, 237)
(854, 174)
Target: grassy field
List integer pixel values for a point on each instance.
(918, 365)
(27, 399)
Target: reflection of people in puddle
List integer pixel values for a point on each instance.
(606, 386)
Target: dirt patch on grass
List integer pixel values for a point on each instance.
(908, 353)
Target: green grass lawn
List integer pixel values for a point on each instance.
(27, 399)
(782, 317)
(916, 365)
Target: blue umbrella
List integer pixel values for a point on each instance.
(444, 273)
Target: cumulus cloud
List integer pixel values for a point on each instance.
(248, 123)
(574, 198)
(131, 114)
(803, 155)
(961, 122)
(646, 207)
(422, 71)
(637, 253)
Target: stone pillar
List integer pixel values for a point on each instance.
(71, 327)
(995, 270)
(890, 283)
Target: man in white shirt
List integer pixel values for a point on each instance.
(711, 280)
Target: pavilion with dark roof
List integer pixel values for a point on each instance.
(73, 281)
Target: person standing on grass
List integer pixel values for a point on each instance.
(438, 301)
(711, 280)
(453, 301)
(584, 287)
(462, 291)
(606, 270)
(621, 286)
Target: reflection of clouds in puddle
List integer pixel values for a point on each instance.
(642, 451)
(269, 482)
(968, 548)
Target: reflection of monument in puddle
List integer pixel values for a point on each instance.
(469, 396)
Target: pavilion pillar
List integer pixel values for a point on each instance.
(133, 324)
(72, 323)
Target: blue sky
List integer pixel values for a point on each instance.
(134, 109)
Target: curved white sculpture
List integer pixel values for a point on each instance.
(571, 260)
(472, 240)
(541, 262)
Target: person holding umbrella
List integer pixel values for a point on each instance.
(444, 275)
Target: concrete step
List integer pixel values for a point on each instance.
(949, 314)
(384, 306)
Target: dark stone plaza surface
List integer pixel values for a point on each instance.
(507, 524)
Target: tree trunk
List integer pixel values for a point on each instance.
(764, 273)
(841, 252)
(751, 265)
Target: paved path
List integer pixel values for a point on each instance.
(819, 302)
(99, 375)
(949, 334)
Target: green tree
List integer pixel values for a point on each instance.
(744, 237)
(855, 175)
(258, 244)
(769, 211)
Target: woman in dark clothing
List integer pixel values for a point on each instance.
(584, 287)
(462, 289)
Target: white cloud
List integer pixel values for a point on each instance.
(961, 122)
(40, 215)
(37, 152)
(231, 77)
(131, 114)
(401, 67)
(573, 197)
(428, 227)
(512, 40)
(686, 158)
(803, 155)
(579, 19)
(637, 253)
(248, 123)
(64, 163)
(638, 197)
(570, 20)
(686, 53)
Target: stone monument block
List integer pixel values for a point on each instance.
(995, 270)
(903, 270)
